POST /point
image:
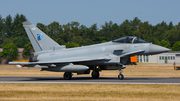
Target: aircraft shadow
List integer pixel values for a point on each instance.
(91, 79)
(62, 79)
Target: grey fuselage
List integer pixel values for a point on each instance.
(112, 50)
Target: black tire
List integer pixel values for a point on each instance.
(67, 75)
(95, 74)
(120, 76)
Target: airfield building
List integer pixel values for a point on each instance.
(168, 57)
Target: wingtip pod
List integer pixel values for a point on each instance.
(27, 23)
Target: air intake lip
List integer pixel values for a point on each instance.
(34, 59)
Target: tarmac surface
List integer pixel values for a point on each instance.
(89, 80)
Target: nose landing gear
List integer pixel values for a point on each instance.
(121, 76)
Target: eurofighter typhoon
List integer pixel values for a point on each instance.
(113, 55)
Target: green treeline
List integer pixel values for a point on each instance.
(12, 31)
(74, 34)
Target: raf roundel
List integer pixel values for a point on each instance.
(103, 49)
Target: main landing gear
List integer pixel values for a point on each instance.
(67, 75)
(95, 74)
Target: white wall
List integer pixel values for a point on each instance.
(153, 59)
(156, 58)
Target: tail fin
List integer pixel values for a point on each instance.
(40, 41)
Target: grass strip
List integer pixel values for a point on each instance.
(113, 92)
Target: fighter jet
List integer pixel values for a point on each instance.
(113, 55)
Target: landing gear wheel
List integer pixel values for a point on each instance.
(67, 75)
(95, 74)
(120, 76)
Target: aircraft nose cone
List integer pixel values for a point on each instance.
(156, 49)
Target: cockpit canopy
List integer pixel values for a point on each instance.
(129, 39)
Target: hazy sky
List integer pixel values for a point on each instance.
(88, 12)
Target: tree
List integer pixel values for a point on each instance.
(103, 41)
(164, 43)
(178, 26)
(23, 18)
(53, 29)
(1, 40)
(145, 30)
(2, 35)
(172, 36)
(6, 41)
(27, 50)
(78, 40)
(18, 29)
(115, 32)
(160, 30)
(10, 51)
(170, 26)
(8, 26)
(42, 27)
(20, 41)
(125, 28)
(106, 31)
(92, 33)
(12, 31)
(66, 30)
(135, 23)
(71, 45)
(176, 46)
(75, 28)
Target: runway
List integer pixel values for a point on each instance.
(89, 80)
